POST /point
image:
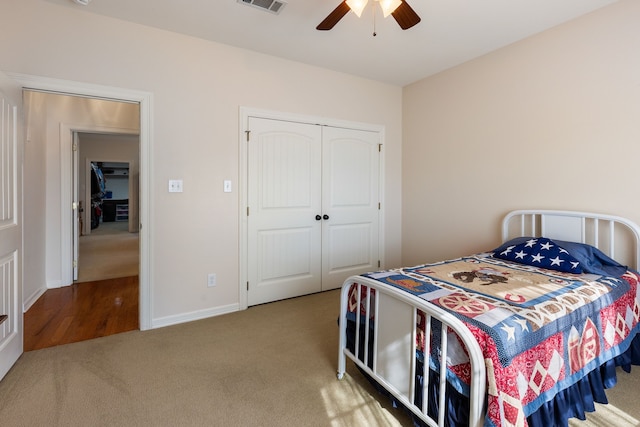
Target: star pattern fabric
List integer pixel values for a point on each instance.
(541, 252)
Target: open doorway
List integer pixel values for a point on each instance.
(106, 234)
(69, 311)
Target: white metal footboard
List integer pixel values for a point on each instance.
(394, 314)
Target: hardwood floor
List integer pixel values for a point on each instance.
(82, 311)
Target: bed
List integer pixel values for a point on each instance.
(530, 332)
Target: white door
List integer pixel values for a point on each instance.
(350, 204)
(284, 182)
(313, 212)
(11, 262)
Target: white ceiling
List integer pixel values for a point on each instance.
(451, 31)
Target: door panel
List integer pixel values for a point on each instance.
(313, 218)
(284, 198)
(350, 200)
(11, 328)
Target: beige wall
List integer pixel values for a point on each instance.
(536, 124)
(549, 122)
(198, 88)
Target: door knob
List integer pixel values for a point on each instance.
(318, 217)
(325, 216)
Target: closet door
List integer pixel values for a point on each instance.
(350, 204)
(284, 185)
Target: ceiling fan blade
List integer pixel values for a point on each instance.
(405, 16)
(332, 19)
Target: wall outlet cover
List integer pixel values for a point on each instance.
(211, 280)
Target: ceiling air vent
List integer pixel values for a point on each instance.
(273, 6)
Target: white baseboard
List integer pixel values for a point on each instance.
(194, 315)
(28, 302)
(55, 284)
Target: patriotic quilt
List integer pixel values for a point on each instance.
(541, 330)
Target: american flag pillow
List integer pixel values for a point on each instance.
(540, 252)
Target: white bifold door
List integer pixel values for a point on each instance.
(313, 207)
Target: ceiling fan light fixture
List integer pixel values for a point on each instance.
(357, 6)
(389, 6)
(404, 14)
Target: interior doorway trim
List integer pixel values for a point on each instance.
(145, 100)
(244, 114)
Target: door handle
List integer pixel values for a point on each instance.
(318, 217)
(325, 216)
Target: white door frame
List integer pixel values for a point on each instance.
(145, 100)
(244, 114)
(75, 207)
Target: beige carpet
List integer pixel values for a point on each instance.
(110, 251)
(270, 365)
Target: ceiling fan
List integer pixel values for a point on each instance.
(404, 15)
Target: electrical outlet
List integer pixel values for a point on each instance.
(211, 280)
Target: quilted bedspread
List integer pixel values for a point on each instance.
(540, 330)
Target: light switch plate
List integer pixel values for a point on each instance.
(227, 186)
(175, 186)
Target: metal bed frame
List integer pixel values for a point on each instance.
(394, 312)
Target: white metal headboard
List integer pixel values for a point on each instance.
(617, 237)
